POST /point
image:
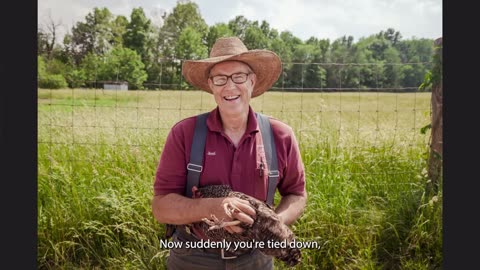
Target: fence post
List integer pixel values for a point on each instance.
(436, 143)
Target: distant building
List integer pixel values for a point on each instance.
(113, 85)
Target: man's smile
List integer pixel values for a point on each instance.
(230, 98)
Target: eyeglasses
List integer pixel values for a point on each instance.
(237, 78)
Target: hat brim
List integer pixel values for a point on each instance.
(265, 64)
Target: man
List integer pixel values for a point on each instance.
(234, 75)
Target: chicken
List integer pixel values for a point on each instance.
(266, 227)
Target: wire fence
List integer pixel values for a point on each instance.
(92, 126)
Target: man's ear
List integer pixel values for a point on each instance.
(210, 83)
(253, 79)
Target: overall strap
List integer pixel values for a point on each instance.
(271, 155)
(194, 167)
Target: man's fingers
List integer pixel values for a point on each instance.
(243, 217)
(245, 207)
(233, 229)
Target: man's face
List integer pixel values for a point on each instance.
(232, 98)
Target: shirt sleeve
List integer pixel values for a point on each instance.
(171, 172)
(292, 179)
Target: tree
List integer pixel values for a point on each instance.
(47, 35)
(216, 31)
(138, 35)
(75, 78)
(185, 14)
(315, 73)
(418, 54)
(391, 35)
(189, 45)
(41, 69)
(42, 43)
(239, 26)
(278, 46)
(393, 71)
(118, 29)
(91, 65)
(414, 73)
(124, 64)
(290, 40)
(46, 79)
(368, 74)
(95, 35)
(120, 64)
(337, 75)
(255, 38)
(269, 33)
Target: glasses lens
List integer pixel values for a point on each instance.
(220, 80)
(239, 77)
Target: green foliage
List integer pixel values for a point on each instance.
(280, 47)
(52, 81)
(433, 76)
(119, 29)
(424, 129)
(239, 26)
(138, 35)
(413, 74)
(124, 65)
(120, 64)
(427, 82)
(96, 35)
(391, 35)
(184, 14)
(189, 45)
(43, 43)
(256, 38)
(91, 66)
(290, 40)
(51, 73)
(41, 69)
(216, 31)
(55, 66)
(393, 74)
(76, 78)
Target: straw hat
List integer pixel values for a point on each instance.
(264, 63)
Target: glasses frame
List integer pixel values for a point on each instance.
(230, 77)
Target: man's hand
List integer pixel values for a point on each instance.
(229, 209)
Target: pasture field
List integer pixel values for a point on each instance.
(364, 155)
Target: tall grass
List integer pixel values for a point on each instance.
(364, 156)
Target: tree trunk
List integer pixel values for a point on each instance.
(436, 143)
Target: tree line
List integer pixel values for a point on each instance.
(105, 47)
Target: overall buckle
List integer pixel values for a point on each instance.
(222, 252)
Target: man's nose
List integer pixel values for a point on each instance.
(230, 83)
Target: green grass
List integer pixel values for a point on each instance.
(364, 156)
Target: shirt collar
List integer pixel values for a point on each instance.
(214, 122)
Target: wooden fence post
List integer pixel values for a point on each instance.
(436, 143)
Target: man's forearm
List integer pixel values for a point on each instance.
(291, 207)
(177, 209)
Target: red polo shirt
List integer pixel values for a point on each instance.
(225, 164)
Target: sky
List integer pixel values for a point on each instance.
(322, 19)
